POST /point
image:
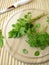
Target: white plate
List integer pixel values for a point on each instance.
(15, 46)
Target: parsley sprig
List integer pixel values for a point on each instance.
(20, 28)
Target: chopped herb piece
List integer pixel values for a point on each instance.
(1, 39)
(37, 53)
(25, 51)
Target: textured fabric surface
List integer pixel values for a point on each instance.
(5, 57)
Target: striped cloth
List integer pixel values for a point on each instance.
(5, 57)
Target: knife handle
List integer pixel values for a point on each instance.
(21, 2)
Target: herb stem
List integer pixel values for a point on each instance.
(38, 17)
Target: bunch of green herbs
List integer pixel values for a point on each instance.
(20, 28)
(25, 26)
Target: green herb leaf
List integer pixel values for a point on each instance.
(37, 53)
(25, 51)
(1, 39)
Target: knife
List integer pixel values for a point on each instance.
(19, 3)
